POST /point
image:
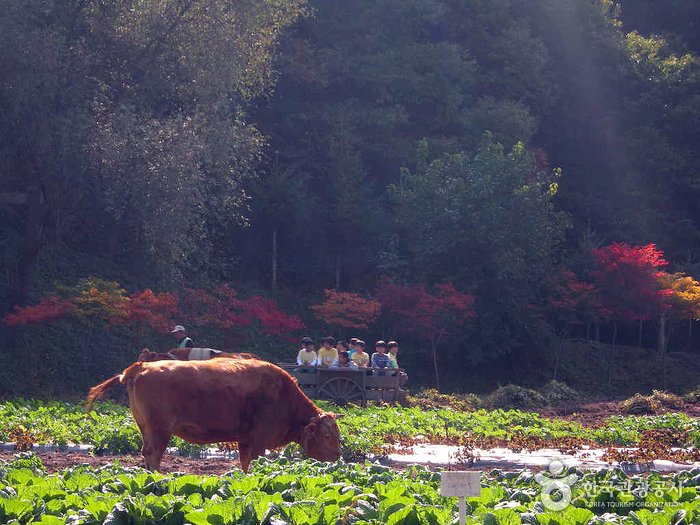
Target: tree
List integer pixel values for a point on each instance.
(431, 317)
(486, 221)
(628, 277)
(568, 301)
(683, 305)
(126, 120)
(105, 304)
(347, 310)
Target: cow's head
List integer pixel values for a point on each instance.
(322, 438)
(147, 355)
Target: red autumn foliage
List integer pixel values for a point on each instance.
(572, 301)
(223, 309)
(220, 308)
(148, 309)
(48, 309)
(216, 308)
(628, 277)
(348, 310)
(273, 320)
(414, 310)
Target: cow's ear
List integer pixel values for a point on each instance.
(310, 428)
(336, 416)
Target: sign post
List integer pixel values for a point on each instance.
(461, 484)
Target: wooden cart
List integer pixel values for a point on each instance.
(347, 385)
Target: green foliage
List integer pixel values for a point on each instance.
(310, 492)
(514, 396)
(431, 399)
(129, 126)
(487, 220)
(555, 393)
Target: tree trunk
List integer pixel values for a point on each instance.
(434, 343)
(338, 262)
(612, 357)
(435, 366)
(557, 357)
(274, 260)
(661, 340)
(664, 367)
(37, 217)
(639, 336)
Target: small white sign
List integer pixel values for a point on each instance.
(466, 484)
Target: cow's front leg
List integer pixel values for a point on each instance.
(245, 455)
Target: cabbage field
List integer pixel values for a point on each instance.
(307, 492)
(291, 490)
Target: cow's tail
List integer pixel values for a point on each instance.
(97, 391)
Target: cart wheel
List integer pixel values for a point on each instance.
(341, 391)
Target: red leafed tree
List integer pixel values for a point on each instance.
(97, 300)
(569, 301)
(347, 310)
(273, 320)
(218, 307)
(628, 277)
(413, 310)
(146, 309)
(48, 309)
(223, 309)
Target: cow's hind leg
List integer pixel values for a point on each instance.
(154, 444)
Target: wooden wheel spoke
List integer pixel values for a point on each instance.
(342, 390)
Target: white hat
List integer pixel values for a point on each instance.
(178, 328)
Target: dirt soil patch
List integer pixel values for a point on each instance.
(59, 461)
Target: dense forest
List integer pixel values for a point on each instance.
(509, 188)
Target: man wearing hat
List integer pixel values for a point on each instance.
(182, 340)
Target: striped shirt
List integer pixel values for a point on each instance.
(380, 360)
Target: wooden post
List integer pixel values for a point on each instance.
(461, 484)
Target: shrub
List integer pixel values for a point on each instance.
(656, 402)
(555, 393)
(667, 400)
(639, 404)
(430, 399)
(693, 396)
(514, 396)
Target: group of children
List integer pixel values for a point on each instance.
(348, 354)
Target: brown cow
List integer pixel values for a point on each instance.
(250, 401)
(186, 354)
